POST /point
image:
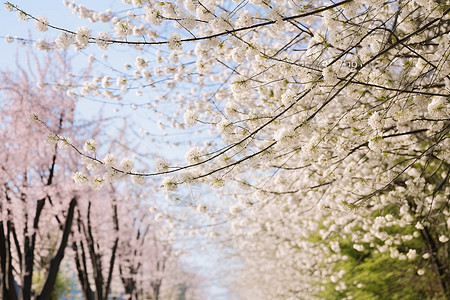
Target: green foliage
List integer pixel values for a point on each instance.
(370, 274)
(377, 276)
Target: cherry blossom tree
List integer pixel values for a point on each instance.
(148, 262)
(46, 216)
(122, 246)
(38, 197)
(329, 123)
(95, 245)
(293, 89)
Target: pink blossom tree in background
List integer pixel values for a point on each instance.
(119, 248)
(323, 125)
(148, 263)
(46, 217)
(95, 243)
(37, 196)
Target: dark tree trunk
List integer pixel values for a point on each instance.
(129, 284)
(81, 265)
(102, 281)
(56, 260)
(95, 258)
(7, 291)
(28, 262)
(114, 250)
(156, 289)
(439, 268)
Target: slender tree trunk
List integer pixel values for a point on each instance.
(8, 290)
(156, 289)
(56, 260)
(439, 268)
(114, 250)
(3, 272)
(28, 262)
(95, 258)
(80, 262)
(128, 283)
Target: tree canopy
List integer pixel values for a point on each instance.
(323, 128)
